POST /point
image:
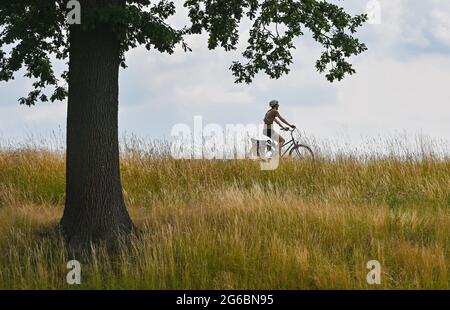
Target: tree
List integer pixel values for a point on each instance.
(34, 33)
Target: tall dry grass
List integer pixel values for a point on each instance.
(229, 225)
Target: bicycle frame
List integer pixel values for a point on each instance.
(291, 143)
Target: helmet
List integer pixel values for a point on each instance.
(273, 103)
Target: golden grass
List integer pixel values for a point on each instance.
(228, 225)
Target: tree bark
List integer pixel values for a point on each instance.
(94, 207)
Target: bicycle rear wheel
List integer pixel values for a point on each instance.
(301, 151)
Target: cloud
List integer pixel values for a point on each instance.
(441, 26)
(386, 97)
(400, 84)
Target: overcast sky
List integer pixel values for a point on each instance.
(401, 85)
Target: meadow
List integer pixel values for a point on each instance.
(213, 224)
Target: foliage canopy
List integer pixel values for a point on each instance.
(33, 32)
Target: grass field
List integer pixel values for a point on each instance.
(229, 225)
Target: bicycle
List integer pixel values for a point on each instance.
(294, 148)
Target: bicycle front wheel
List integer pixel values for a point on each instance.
(301, 151)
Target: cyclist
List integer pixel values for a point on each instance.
(272, 116)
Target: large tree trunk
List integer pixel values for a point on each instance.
(94, 209)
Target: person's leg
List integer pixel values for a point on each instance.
(267, 131)
(278, 139)
(280, 145)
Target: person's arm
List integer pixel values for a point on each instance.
(284, 121)
(280, 124)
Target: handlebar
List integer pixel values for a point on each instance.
(289, 129)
